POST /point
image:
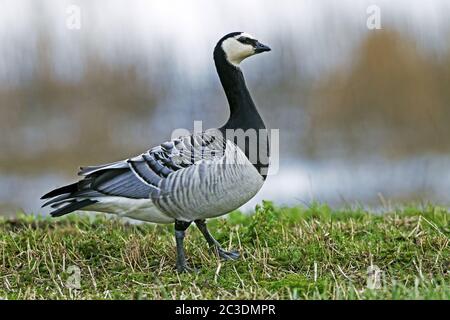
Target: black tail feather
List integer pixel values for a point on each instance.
(63, 190)
(72, 206)
(66, 196)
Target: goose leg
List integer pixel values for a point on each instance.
(180, 231)
(213, 244)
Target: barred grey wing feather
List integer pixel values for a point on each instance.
(121, 182)
(140, 177)
(85, 171)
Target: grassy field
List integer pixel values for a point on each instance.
(287, 253)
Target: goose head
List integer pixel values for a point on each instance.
(237, 46)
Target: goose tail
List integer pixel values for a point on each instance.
(65, 200)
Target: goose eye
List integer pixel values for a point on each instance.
(245, 40)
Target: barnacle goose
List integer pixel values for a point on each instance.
(187, 179)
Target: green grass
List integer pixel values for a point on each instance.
(287, 253)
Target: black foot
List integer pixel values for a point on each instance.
(186, 269)
(217, 249)
(227, 255)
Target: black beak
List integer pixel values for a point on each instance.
(261, 48)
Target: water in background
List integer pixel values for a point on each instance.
(378, 185)
(363, 114)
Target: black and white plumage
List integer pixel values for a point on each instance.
(191, 178)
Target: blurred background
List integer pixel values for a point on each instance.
(363, 113)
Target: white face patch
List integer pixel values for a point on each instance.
(236, 51)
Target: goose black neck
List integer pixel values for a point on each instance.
(243, 112)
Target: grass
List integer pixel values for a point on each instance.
(287, 253)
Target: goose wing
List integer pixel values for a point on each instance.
(139, 177)
(146, 171)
